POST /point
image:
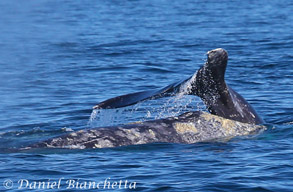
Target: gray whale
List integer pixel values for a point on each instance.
(208, 83)
(190, 127)
(230, 114)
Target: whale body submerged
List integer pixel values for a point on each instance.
(190, 127)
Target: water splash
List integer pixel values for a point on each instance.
(150, 109)
(109, 117)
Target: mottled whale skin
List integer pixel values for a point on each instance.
(230, 114)
(190, 127)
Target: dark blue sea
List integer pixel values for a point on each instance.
(60, 58)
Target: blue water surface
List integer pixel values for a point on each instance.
(60, 58)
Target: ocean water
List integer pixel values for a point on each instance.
(60, 58)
